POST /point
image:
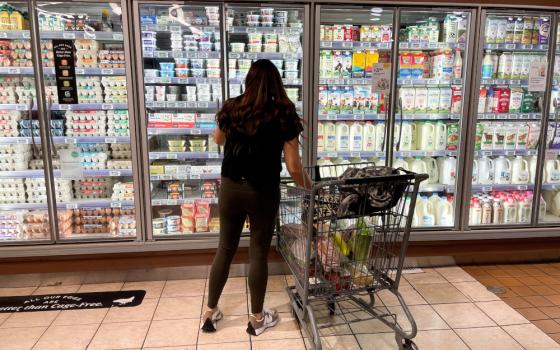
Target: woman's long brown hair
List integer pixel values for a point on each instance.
(264, 101)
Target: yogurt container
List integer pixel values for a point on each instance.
(197, 63)
(291, 64)
(198, 73)
(167, 66)
(207, 46)
(152, 73)
(214, 63)
(237, 47)
(213, 73)
(254, 47)
(182, 72)
(270, 47)
(291, 74)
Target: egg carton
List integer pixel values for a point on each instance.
(86, 45)
(13, 149)
(118, 132)
(85, 115)
(103, 184)
(115, 147)
(121, 155)
(10, 116)
(36, 164)
(92, 147)
(123, 191)
(85, 132)
(117, 114)
(119, 164)
(87, 124)
(113, 81)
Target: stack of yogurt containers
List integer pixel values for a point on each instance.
(213, 14)
(167, 69)
(148, 42)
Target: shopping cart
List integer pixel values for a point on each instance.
(345, 241)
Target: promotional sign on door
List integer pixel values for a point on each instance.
(537, 76)
(381, 77)
(65, 73)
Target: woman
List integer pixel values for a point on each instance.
(255, 127)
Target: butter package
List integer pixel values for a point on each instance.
(160, 120)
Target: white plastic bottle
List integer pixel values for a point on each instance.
(320, 137)
(487, 65)
(457, 65)
(497, 212)
(425, 212)
(486, 217)
(342, 137)
(519, 171)
(524, 211)
(440, 141)
(406, 135)
(426, 136)
(475, 212)
(510, 211)
(356, 137)
(444, 213)
(379, 136)
(329, 130)
(368, 138)
(542, 209)
(432, 169)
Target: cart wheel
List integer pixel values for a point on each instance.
(371, 299)
(332, 307)
(406, 344)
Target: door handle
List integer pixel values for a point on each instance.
(51, 140)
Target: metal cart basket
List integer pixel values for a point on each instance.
(345, 241)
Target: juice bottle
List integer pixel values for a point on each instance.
(487, 65)
(457, 65)
(320, 137)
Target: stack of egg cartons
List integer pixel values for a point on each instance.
(86, 123)
(7, 91)
(86, 53)
(9, 123)
(25, 91)
(115, 89)
(37, 161)
(118, 123)
(89, 89)
(93, 187)
(37, 191)
(26, 127)
(47, 55)
(12, 191)
(123, 191)
(93, 155)
(35, 225)
(121, 156)
(14, 157)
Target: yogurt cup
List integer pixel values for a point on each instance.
(213, 63)
(207, 46)
(213, 73)
(270, 47)
(167, 66)
(237, 47)
(254, 47)
(148, 42)
(198, 73)
(244, 64)
(291, 64)
(167, 74)
(255, 38)
(278, 63)
(267, 11)
(253, 24)
(197, 63)
(253, 18)
(152, 73)
(291, 74)
(182, 72)
(148, 35)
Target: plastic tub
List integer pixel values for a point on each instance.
(270, 38)
(237, 47)
(254, 47)
(267, 18)
(278, 63)
(267, 11)
(270, 47)
(167, 74)
(206, 46)
(213, 73)
(176, 143)
(167, 66)
(255, 38)
(152, 73)
(148, 42)
(182, 72)
(198, 73)
(171, 97)
(253, 24)
(197, 63)
(291, 64)
(177, 149)
(149, 35)
(253, 18)
(244, 64)
(213, 63)
(291, 74)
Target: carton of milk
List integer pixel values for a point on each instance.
(420, 100)
(433, 100)
(445, 95)
(407, 96)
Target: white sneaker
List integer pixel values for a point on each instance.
(257, 327)
(209, 324)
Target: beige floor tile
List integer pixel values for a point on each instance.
(333, 325)
(409, 294)
(129, 335)
(172, 333)
(502, 313)
(231, 329)
(101, 287)
(15, 292)
(489, 337)
(75, 337)
(475, 291)
(64, 289)
(231, 304)
(179, 307)
(428, 276)
(23, 280)
(20, 338)
(173, 348)
(464, 315)
(287, 328)
(531, 338)
(455, 274)
(346, 342)
(276, 283)
(71, 317)
(30, 319)
(153, 288)
(369, 326)
(142, 312)
(379, 341)
(279, 301)
(292, 344)
(439, 339)
(440, 293)
(4, 317)
(226, 346)
(424, 315)
(184, 288)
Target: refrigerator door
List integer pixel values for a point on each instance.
(549, 201)
(86, 88)
(273, 32)
(354, 51)
(513, 60)
(430, 107)
(182, 74)
(23, 196)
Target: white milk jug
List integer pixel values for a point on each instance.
(418, 166)
(406, 136)
(447, 170)
(414, 143)
(434, 200)
(356, 137)
(485, 171)
(532, 167)
(524, 211)
(554, 202)
(519, 171)
(342, 137)
(474, 176)
(440, 137)
(329, 130)
(400, 163)
(379, 136)
(510, 211)
(542, 209)
(320, 137)
(552, 171)
(325, 168)
(426, 135)
(425, 212)
(502, 170)
(444, 213)
(433, 172)
(368, 137)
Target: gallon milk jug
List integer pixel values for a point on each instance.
(447, 170)
(510, 211)
(406, 136)
(475, 212)
(552, 171)
(325, 168)
(368, 138)
(400, 163)
(555, 203)
(524, 211)
(329, 130)
(356, 137)
(426, 135)
(379, 136)
(444, 213)
(425, 212)
(414, 143)
(485, 171)
(434, 200)
(502, 170)
(532, 167)
(440, 137)
(519, 171)
(542, 209)
(475, 172)
(320, 137)
(433, 172)
(342, 137)
(418, 166)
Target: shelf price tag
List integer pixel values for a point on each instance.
(251, 30)
(21, 108)
(513, 116)
(22, 141)
(68, 36)
(171, 156)
(522, 187)
(162, 54)
(407, 82)
(251, 56)
(3, 35)
(203, 55)
(432, 45)
(161, 28)
(493, 46)
(80, 71)
(527, 46)
(486, 188)
(71, 205)
(114, 173)
(107, 71)
(165, 80)
(358, 117)
(172, 202)
(110, 140)
(191, 104)
(182, 80)
(70, 140)
(406, 154)
(107, 106)
(326, 44)
(64, 107)
(175, 29)
(332, 154)
(172, 104)
(354, 154)
(118, 36)
(14, 71)
(213, 155)
(509, 153)
(525, 116)
(182, 104)
(415, 45)
(347, 44)
(510, 46)
(195, 176)
(486, 153)
(156, 201)
(196, 132)
(403, 45)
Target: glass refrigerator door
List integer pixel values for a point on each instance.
(182, 72)
(23, 196)
(549, 212)
(351, 113)
(85, 82)
(428, 120)
(267, 32)
(509, 117)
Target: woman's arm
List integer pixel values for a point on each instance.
(219, 136)
(293, 163)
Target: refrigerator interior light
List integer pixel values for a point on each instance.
(374, 19)
(376, 10)
(117, 10)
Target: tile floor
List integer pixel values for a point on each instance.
(533, 290)
(451, 308)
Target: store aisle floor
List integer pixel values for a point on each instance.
(531, 289)
(451, 308)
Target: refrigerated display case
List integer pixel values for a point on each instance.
(513, 53)
(351, 114)
(430, 111)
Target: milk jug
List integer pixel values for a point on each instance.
(414, 143)
(425, 212)
(342, 137)
(440, 137)
(444, 213)
(510, 211)
(379, 136)
(555, 203)
(432, 170)
(400, 163)
(325, 168)
(434, 200)
(368, 138)
(447, 170)
(320, 137)
(485, 171)
(475, 212)
(502, 170)
(519, 171)
(329, 130)
(524, 211)
(486, 212)
(532, 167)
(356, 137)
(426, 136)
(552, 171)
(474, 178)
(542, 209)
(406, 136)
